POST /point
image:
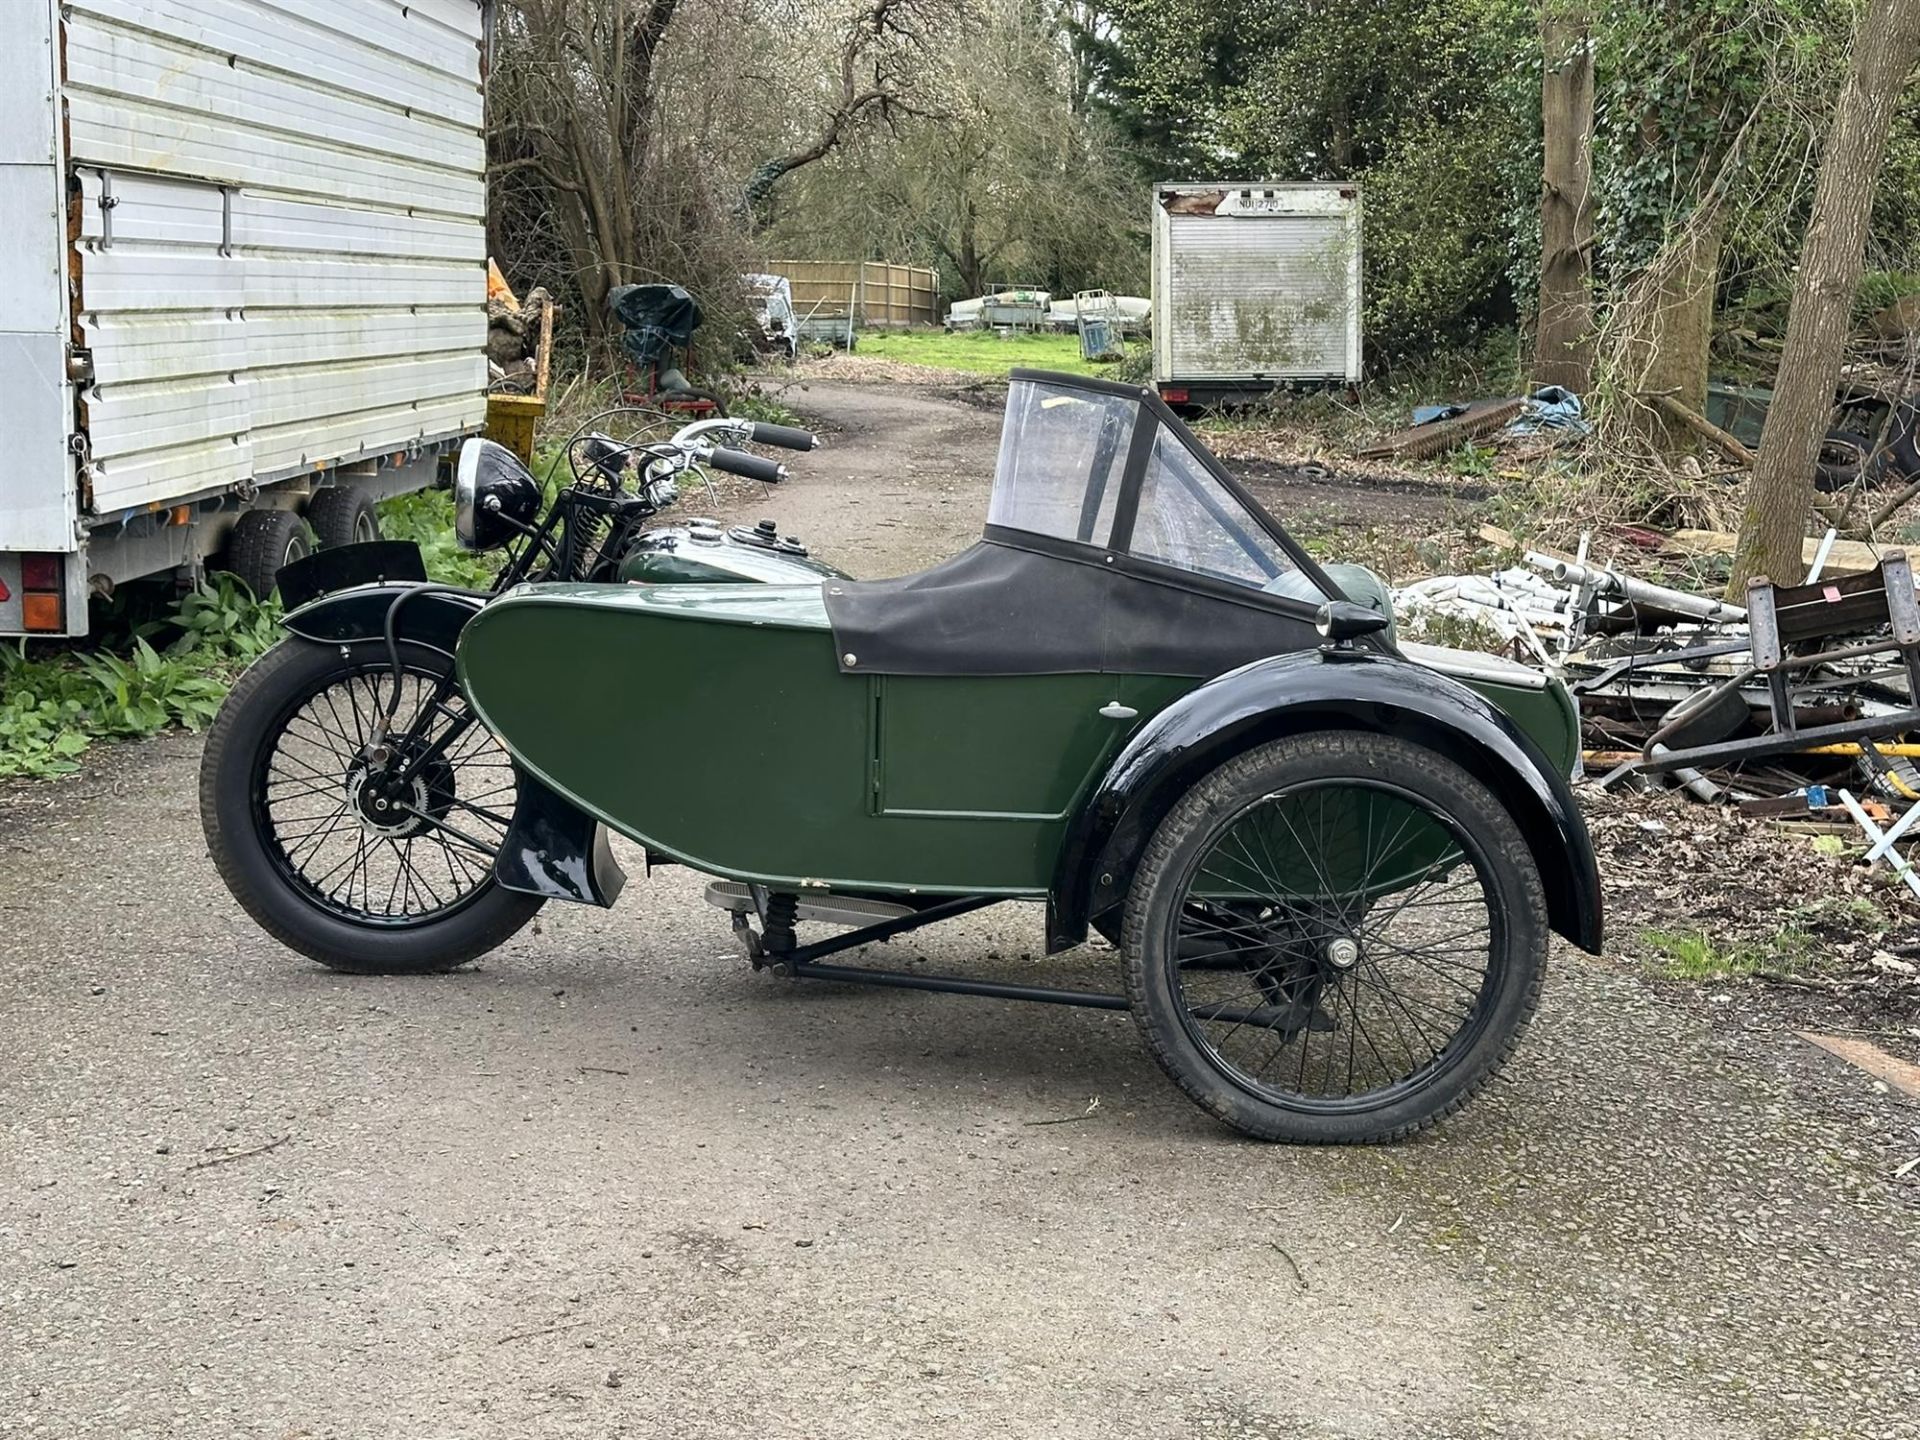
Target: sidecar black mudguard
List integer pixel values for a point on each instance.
(1291, 694)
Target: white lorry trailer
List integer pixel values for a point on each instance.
(1256, 287)
(243, 281)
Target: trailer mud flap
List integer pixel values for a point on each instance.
(557, 850)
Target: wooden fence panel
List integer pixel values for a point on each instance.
(881, 293)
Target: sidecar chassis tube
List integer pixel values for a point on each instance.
(954, 985)
(800, 964)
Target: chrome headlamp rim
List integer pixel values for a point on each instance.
(466, 495)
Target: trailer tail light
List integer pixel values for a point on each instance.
(43, 601)
(40, 572)
(1173, 396)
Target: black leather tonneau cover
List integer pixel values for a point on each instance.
(1003, 608)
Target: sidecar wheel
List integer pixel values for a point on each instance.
(1335, 938)
(315, 857)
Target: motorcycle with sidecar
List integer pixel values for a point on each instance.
(1331, 860)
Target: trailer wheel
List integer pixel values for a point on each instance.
(263, 541)
(342, 515)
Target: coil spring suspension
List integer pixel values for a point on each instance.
(589, 534)
(777, 926)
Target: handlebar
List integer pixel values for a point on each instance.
(784, 436)
(753, 467)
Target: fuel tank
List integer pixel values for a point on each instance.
(701, 552)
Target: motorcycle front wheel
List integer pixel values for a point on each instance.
(369, 856)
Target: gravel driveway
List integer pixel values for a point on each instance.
(611, 1183)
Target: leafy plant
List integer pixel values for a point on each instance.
(138, 679)
(426, 518)
(54, 709)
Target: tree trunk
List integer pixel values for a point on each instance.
(972, 279)
(1886, 47)
(1679, 332)
(1341, 144)
(1563, 343)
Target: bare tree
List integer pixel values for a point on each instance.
(880, 60)
(1013, 179)
(1886, 47)
(578, 108)
(1563, 344)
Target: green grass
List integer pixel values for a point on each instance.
(152, 666)
(55, 706)
(978, 352)
(1694, 955)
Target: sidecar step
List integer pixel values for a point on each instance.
(827, 908)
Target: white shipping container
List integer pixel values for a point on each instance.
(1255, 286)
(245, 257)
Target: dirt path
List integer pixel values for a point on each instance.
(611, 1183)
(900, 481)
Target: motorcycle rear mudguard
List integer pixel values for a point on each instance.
(359, 614)
(552, 848)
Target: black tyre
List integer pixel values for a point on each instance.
(341, 852)
(1842, 461)
(1335, 938)
(262, 541)
(343, 515)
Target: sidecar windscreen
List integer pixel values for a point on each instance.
(1065, 454)
(1114, 544)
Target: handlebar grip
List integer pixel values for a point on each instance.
(785, 436)
(753, 467)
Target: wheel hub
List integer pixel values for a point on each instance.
(1343, 952)
(388, 804)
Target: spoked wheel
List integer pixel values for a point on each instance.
(368, 845)
(1336, 937)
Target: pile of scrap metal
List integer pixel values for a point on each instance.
(1784, 706)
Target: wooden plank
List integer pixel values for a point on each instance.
(1507, 540)
(1846, 555)
(1902, 1075)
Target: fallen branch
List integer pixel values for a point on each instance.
(544, 1330)
(232, 1156)
(1727, 444)
(1887, 511)
(1292, 1263)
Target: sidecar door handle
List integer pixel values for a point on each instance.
(1114, 710)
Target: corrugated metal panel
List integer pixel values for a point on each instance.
(292, 269)
(346, 45)
(1262, 296)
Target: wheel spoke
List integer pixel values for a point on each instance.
(352, 857)
(1334, 941)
